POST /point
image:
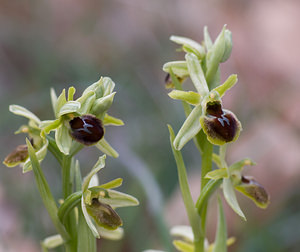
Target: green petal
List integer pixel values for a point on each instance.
(189, 97)
(63, 139)
(189, 45)
(112, 184)
(196, 74)
(40, 154)
(229, 83)
(110, 120)
(238, 166)
(179, 68)
(189, 129)
(217, 174)
(69, 107)
(61, 100)
(106, 148)
(71, 92)
(231, 198)
(19, 110)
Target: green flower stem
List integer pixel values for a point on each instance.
(52, 147)
(193, 216)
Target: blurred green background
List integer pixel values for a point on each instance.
(60, 43)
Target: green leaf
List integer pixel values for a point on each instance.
(189, 45)
(52, 242)
(189, 129)
(97, 167)
(87, 100)
(19, 110)
(69, 107)
(221, 235)
(179, 68)
(112, 184)
(183, 246)
(229, 83)
(40, 154)
(106, 148)
(63, 139)
(45, 192)
(189, 97)
(196, 74)
(110, 120)
(231, 198)
(114, 198)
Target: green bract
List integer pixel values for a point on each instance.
(94, 102)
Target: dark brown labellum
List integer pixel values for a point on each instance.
(19, 155)
(220, 124)
(104, 215)
(86, 129)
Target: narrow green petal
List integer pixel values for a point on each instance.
(221, 235)
(53, 97)
(196, 74)
(71, 92)
(112, 184)
(111, 120)
(61, 100)
(189, 97)
(229, 83)
(69, 107)
(189, 45)
(179, 68)
(231, 198)
(49, 125)
(189, 129)
(97, 167)
(19, 110)
(63, 139)
(106, 148)
(238, 166)
(217, 174)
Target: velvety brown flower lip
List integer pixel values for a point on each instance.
(86, 129)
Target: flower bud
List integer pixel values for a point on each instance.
(17, 156)
(220, 126)
(254, 191)
(104, 215)
(86, 129)
(228, 45)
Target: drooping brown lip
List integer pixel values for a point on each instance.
(86, 129)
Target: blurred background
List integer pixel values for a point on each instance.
(60, 43)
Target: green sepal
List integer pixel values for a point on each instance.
(101, 105)
(63, 139)
(87, 100)
(220, 244)
(111, 120)
(229, 83)
(189, 45)
(40, 154)
(21, 111)
(106, 148)
(179, 68)
(52, 242)
(69, 107)
(187, 96)
(217, 174)
(60, 101)
(183, 246)
(114, 235)
(113, 198)
(196, 74)
(45, 192)
(189, 129)
(231, 198)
